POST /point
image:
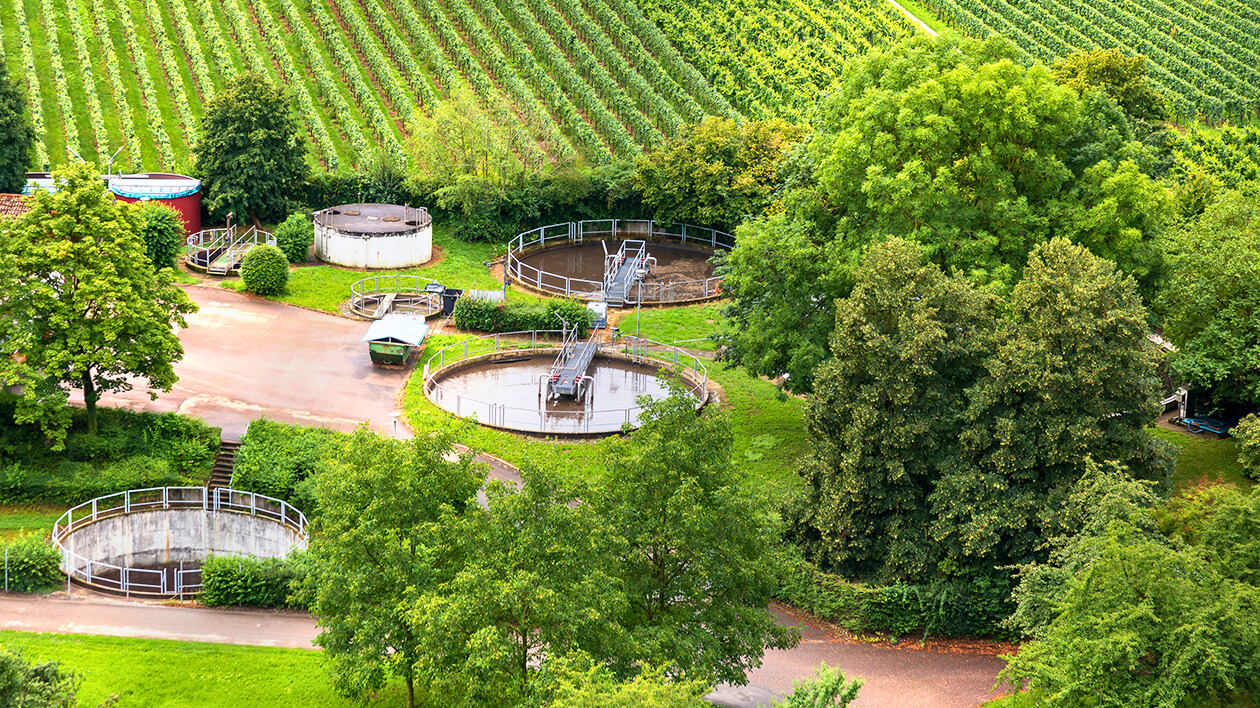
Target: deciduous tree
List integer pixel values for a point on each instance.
(163, 234)
(17, 137)
(82, 306)
(1120, 76)
(251, 154)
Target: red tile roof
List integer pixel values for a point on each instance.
(13, 205)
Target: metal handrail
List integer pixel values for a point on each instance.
(160, 498)
(576, 232)
(497, 413)
(380, 285)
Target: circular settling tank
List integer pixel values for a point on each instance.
(509, 389)
(374, 236)
(685, 268)
(154, 541)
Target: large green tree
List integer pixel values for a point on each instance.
(1211, 303)
(377, 548)
(949, 142)
(251, 154)
(717, 173)
(17, 137)
(82, 306)
(886, 414)
(697, 556)
(1117, 74)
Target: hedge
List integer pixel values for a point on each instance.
(279, 460)
(294, 237)
(265, 270)
(954, 609)
(130, 451)
(249, 581)
(486, 316)
(32, 564)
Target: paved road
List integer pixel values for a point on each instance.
(904, 678)
(245, 358)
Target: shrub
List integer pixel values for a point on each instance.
(33, 564)
(265, 270)
(294, 237)
(249, 581)
(163, 233)
(1247, 432)
(275, 459)
(485, 316)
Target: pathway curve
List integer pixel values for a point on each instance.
(911, 16)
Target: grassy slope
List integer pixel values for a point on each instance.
(18, 519)
(675, 324)
(158, 673)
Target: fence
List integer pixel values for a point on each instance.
(368, 295)
(146, 580)
(539, 419)
(609, 229)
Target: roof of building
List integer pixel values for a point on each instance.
(397, 328)
(13, 205)
(374, 219)
(154, 185)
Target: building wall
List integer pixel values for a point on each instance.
(396, 250)
(189, 209)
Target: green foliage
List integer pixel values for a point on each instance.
(83, 304)
(1120, 76)
(697, 560)
(827, 688)
(265, 270)
(1211, 303)
(1207, 162)
(487, 316)
(294, 237)
(950, 143)
(574, 682)
(376, 552)
(277, 460)
(249, 581)
(32, 564)
(17, 137)
(1247, 433)
(163, 234)
(251, 156)
(717, 173)
(24, 684)
(945, 433)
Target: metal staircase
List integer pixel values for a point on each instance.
(623, 269)
(568, 375)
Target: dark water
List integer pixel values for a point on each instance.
(673, 264)
(519, 397)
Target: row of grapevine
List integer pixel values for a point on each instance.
(187, 37)
(118, 89)
(148, 91)
(59, 77)
(100, 134)
(174, 80)
(32, 81)
(1203, 53)
(412, 74)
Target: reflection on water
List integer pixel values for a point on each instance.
(513, 394)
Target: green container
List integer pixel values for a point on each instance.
(386, 353)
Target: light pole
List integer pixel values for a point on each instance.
(395, 415)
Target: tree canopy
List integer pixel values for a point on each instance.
(251, 155)
(82, 303)
(953, 144)
(17, 137)
(1116, 74)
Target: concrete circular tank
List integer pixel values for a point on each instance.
(374, 236)
(502, 381)
(153, 541)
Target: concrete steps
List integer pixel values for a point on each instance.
(224, 463)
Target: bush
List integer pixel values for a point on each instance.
(33, 564)
(249, 581)
(1247, 432)
(295, 236)
(275, 459)
(972, 608)
(265, 270)
(485, 316)
(163, 234)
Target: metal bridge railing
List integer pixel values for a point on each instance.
(537, 419)
(577, 232)
(362, 292)
(145, 580)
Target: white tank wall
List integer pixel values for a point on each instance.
(180, 536)
(396, 250)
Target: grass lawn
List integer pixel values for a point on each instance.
(325, 287)
(769, 431)
(19, 519)
(1200, 459)
(158, 673)
(675, 324)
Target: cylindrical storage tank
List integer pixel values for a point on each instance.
(374, 236)
(183, 194)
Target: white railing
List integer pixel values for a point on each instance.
(362, 291)
(147, 580)
(539, 419)
(225, 240)
(611, 229)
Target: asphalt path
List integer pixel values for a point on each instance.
(247, 358)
